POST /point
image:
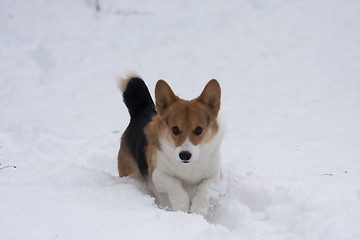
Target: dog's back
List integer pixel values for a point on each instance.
(131, 158)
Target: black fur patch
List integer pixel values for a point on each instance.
(141, 109)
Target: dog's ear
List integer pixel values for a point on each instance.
(210, 96)
(164, 96)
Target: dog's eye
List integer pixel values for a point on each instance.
(176, 131)
(197, 131)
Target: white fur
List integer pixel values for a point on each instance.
(122, 82)
(184, 186)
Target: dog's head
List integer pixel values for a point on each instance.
(187, 125)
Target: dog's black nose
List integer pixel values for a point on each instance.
(184, 155)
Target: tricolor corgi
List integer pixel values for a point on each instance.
(173, 144)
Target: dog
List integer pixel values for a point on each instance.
(173, 144)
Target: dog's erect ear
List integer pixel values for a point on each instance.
(164, 96)
(211, 95)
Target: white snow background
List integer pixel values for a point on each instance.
(290, 77)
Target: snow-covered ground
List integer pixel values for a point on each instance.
(290, 76)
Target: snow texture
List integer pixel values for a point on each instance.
(290, 77)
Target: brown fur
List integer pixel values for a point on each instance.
(127, 165)
(151, 134)
(188, 115)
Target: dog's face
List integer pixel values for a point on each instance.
(187, 125)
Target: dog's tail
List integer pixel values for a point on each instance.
(136, 95)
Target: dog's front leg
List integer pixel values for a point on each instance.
(165, 183)
(200, 203)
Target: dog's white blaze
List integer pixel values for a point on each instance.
(189, 147)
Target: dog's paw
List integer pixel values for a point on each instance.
(200, 205)
(180, 202)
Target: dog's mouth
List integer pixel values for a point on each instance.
(185, 161)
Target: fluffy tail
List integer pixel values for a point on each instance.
(136, 95)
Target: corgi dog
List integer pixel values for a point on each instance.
(173, 144)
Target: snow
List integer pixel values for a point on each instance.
(290, 76)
